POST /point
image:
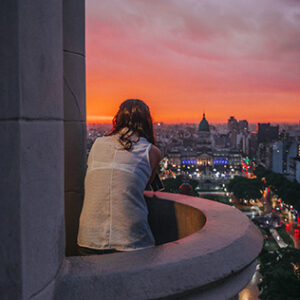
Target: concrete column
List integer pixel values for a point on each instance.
(74, 116)
(31, 148)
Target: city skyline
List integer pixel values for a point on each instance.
(184, 57)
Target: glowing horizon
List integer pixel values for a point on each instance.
(184, 57)
(108, 120)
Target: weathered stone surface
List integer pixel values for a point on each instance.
(224, 289)
(74, 116)
(10, 211)
(74, 26)
(9, 76)
(75, 156)
(168, 220)
(42, 206)
(74, 87)
(31, 61)
(40, 59)
(32, 217)
(73, 206)
(213, 263)
(47, 293)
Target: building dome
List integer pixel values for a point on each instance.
(204, 126)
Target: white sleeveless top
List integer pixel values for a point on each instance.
(114, 213)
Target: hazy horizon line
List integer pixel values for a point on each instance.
(174, 123)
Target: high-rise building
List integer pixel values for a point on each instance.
(266, 133)
(243, 142)
(243, 126)
(292, 154)
(232, 124)
(236, 128)
(253, 144)
(233, 127)
(264, 154)
(298, 170)
(278, 157)
(293, 158)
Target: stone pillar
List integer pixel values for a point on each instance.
(31, 148)
(74, 116)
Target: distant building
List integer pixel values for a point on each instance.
(243, 126)
(204, 146)
(200, 151)
(204, 137)
(297, 170)
(222, 140)
(253, 145)
(243, 142)
(278, 157)
(266, 133)
(227, 159)
(232, 124)
(233, 127)
(284, 136)
(294, 162)
(174, 157)
(264, 155)
(293, 152)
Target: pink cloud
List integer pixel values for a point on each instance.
(195, 46)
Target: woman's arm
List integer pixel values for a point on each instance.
(154, 157)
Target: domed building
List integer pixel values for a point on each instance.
(204, 145)
(204, 126)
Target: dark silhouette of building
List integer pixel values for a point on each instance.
(243, 126)
(233, 127)
(232, 124)
(204, 146)
(266, 133)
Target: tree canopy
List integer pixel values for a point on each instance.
(172, 184)
(245, 188)
(288, 191)
(280, 272)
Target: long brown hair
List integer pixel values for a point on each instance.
(134, 116)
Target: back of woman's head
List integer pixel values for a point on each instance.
(134, 117)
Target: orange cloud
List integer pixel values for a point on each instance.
(183, 57)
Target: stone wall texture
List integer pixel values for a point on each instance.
(74, 116)
(32, 147)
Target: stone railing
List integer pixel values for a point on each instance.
(206, 250)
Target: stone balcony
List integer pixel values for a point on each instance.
(205, 250)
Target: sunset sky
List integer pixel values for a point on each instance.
(183, 57)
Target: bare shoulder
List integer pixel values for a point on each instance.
(154, 156)
(155, 152)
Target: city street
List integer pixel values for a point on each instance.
(251, 291)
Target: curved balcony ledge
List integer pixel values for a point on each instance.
(215, 262)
